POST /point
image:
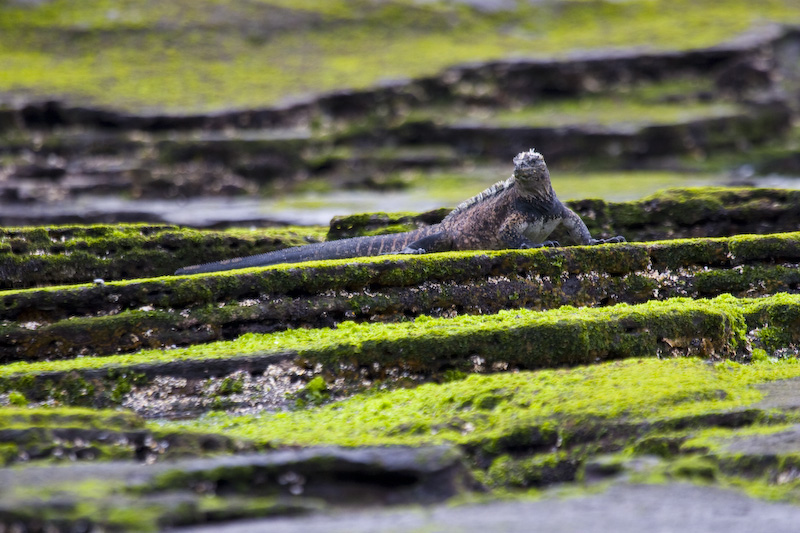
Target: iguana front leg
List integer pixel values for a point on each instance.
(578, 231)
(515, 231)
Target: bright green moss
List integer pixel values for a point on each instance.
(765, 473)
(529, 339)
(160, 311)
(607, 111)
(17, 399)
(688, 252)
(542, 469)
(693, 468)
(744, 279)
(69, 254)
(769, 248)
(187, 57)
(8, 453)
(714, 440)
(618, 259)
(69, 417)
(314, 393)
(106, 334)
(635, 389)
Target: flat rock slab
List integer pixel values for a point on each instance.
(772, 444)
(783, 394)
(621, 509)
(284, 482)
(381, 475)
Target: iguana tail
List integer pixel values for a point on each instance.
(355, 247)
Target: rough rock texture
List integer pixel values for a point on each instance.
(621, 508)
(125, 316)
(53, 150)
(276, 483)
(670, 214)
(428, 323)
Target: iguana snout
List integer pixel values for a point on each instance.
(530, 168)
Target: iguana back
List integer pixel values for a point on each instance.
(519, 212)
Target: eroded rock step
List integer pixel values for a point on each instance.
(78, 254)
(513, 430)
(670, 214)
(57, 151)
(354, 354)
(125, 316)
(69, 435)
(733, 64)
(622, 509)
(721, 438)
(184, 492)
(206, 164)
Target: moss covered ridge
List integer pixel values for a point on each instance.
(35, 256)
(669, 214)
(59, 255)
(73, 434)
(252, 36)
(680, 391)
(724, 327)
(60, 322)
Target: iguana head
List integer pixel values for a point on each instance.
(530, 167)
(530, 172)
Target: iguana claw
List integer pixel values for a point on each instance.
(408, 250)
(618, 238)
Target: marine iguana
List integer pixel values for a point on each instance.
(519, 212)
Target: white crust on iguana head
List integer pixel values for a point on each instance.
(494, 190)
(531, 167)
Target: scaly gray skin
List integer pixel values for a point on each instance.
(520, 212)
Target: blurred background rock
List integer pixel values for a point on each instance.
(264, 112)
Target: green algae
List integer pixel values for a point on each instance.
(634, 390)
(106, 318)
(530, 339)
(64, 47)
(69, 254)
(416, 269)
(57, 434)
(11, 417)
(111, 505)
(643, 105)
(17, 399)
(768, 474)
(715, 440)
(516, 338)
(314, 393)
(362, 224)
(539, 470)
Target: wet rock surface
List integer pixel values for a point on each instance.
(274, 483)
(107, 318)
(783, 394)
(521, 398)
(778, 443)
(54, 153)
(621, 508)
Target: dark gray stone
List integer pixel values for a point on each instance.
(783, 394)
(772, 444)
(621, 509)
(366, 475)
(392, 474)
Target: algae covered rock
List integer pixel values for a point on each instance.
(59, 255)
